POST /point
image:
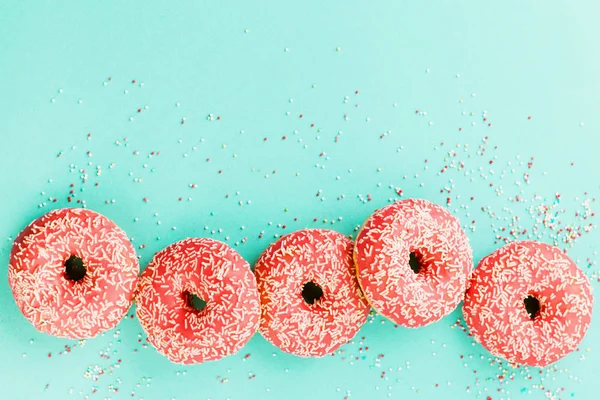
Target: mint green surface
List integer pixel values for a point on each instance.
(251, 63)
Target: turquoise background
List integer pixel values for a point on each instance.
(67, 70)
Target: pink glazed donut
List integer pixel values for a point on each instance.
(413, 261)
(215, 273)
(73, 273)
(528, 303)
(311, 303)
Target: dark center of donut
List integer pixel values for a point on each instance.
(194, 301)
(414, 263)
(311, 292)
(532, 305)
(75, 270)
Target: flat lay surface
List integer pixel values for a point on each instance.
(242, 121)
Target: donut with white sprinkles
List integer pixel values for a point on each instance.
(413, 261)
(73, 273)
(528, 303)
(311, 302)
(170, 291)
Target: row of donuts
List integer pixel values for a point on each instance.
(74, 274)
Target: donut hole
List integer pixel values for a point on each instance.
(75, 269)
(532, 306)
(194, 301)
(311, 292)
(414, 262)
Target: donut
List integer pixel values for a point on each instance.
(413, 261)
(213, 272)
(73, 273)
(528, 303)
(311, 303)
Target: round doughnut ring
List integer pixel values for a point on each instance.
(413, 261)
(204, 269)
(311, 303)
(528, 303)
(73, 273)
